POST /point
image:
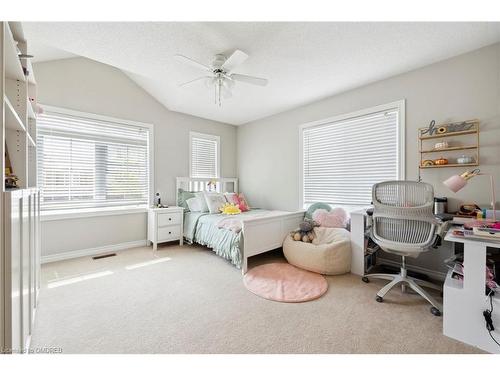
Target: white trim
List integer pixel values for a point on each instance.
(436, 275)
(96, 116)
(91, 212)
(149, 126)
(92, 251)
(206, 136)
(399, 105)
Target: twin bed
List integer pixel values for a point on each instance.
(235, 237)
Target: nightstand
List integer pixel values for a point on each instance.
(165, 224)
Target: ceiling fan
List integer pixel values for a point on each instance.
(219, 74)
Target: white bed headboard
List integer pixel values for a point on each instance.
(222, 185)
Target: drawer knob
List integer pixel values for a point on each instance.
(169, 218)
(169, 232)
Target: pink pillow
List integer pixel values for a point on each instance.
(336, 218)
(232, 198)
(242, 202)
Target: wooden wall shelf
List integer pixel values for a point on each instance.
(471, 144)
(449, 149)
(450, 134)
(449, 165)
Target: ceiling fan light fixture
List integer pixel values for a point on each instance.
(222, 80)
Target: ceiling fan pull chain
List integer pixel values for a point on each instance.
(220, 89)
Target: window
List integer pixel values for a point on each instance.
(205, 153)
(88, 161)
(343, 157)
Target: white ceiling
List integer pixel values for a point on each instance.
(304, 62)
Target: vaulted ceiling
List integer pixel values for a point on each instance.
(303, 62)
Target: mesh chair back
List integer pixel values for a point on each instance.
(403, 220)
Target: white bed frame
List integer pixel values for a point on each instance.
(259, 234)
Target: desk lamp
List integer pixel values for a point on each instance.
(457, 182)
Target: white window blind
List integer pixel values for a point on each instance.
(86, 162)
(204, 155)
(343, 159)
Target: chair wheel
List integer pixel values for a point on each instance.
(435, 311)
(365, 279)
(379, 299)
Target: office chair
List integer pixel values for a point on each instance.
(403, 223)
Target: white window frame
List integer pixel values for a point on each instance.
(105, 211)
(213, 137)
(398, 105)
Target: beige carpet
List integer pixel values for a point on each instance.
(195, 302)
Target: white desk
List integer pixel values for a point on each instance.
(464, 302)
(358, 227)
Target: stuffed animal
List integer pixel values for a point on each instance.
(305, 233)
(230, 209)
(336, 218)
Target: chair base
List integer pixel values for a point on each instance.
(415, 284)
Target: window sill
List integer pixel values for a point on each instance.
(91, 212)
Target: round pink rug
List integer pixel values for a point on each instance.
(284, 283)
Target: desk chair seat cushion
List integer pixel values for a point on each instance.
(329, 254)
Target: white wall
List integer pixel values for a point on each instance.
(85, 85)
(461, 88)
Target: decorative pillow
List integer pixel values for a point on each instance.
(215, 201)
(203, 203)
(230, 209)
(232, 198)
(242, 202)
(182, 197)
(315, 206)
(336, 218)
(194, 204)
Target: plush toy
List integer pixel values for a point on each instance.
(336, 218)
(230, 209)
(305, 233)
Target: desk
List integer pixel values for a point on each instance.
(464, 301)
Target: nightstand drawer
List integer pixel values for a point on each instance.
(169, 233)
(169, 219)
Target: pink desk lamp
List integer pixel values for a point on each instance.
(457, 182)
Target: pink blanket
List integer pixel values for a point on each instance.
(230, 224)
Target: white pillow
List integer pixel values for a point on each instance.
(200, 195)
(194, 204)
(214, 202)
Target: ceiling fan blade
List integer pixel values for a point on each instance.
(191, 62)
(249, 79)
(193, 80)
(237, 58)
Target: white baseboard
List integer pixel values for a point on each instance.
(92, 251)
(436, 275)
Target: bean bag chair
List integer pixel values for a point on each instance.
(329, 254)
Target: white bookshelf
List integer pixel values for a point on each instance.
(19, 207)
(20, 107)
